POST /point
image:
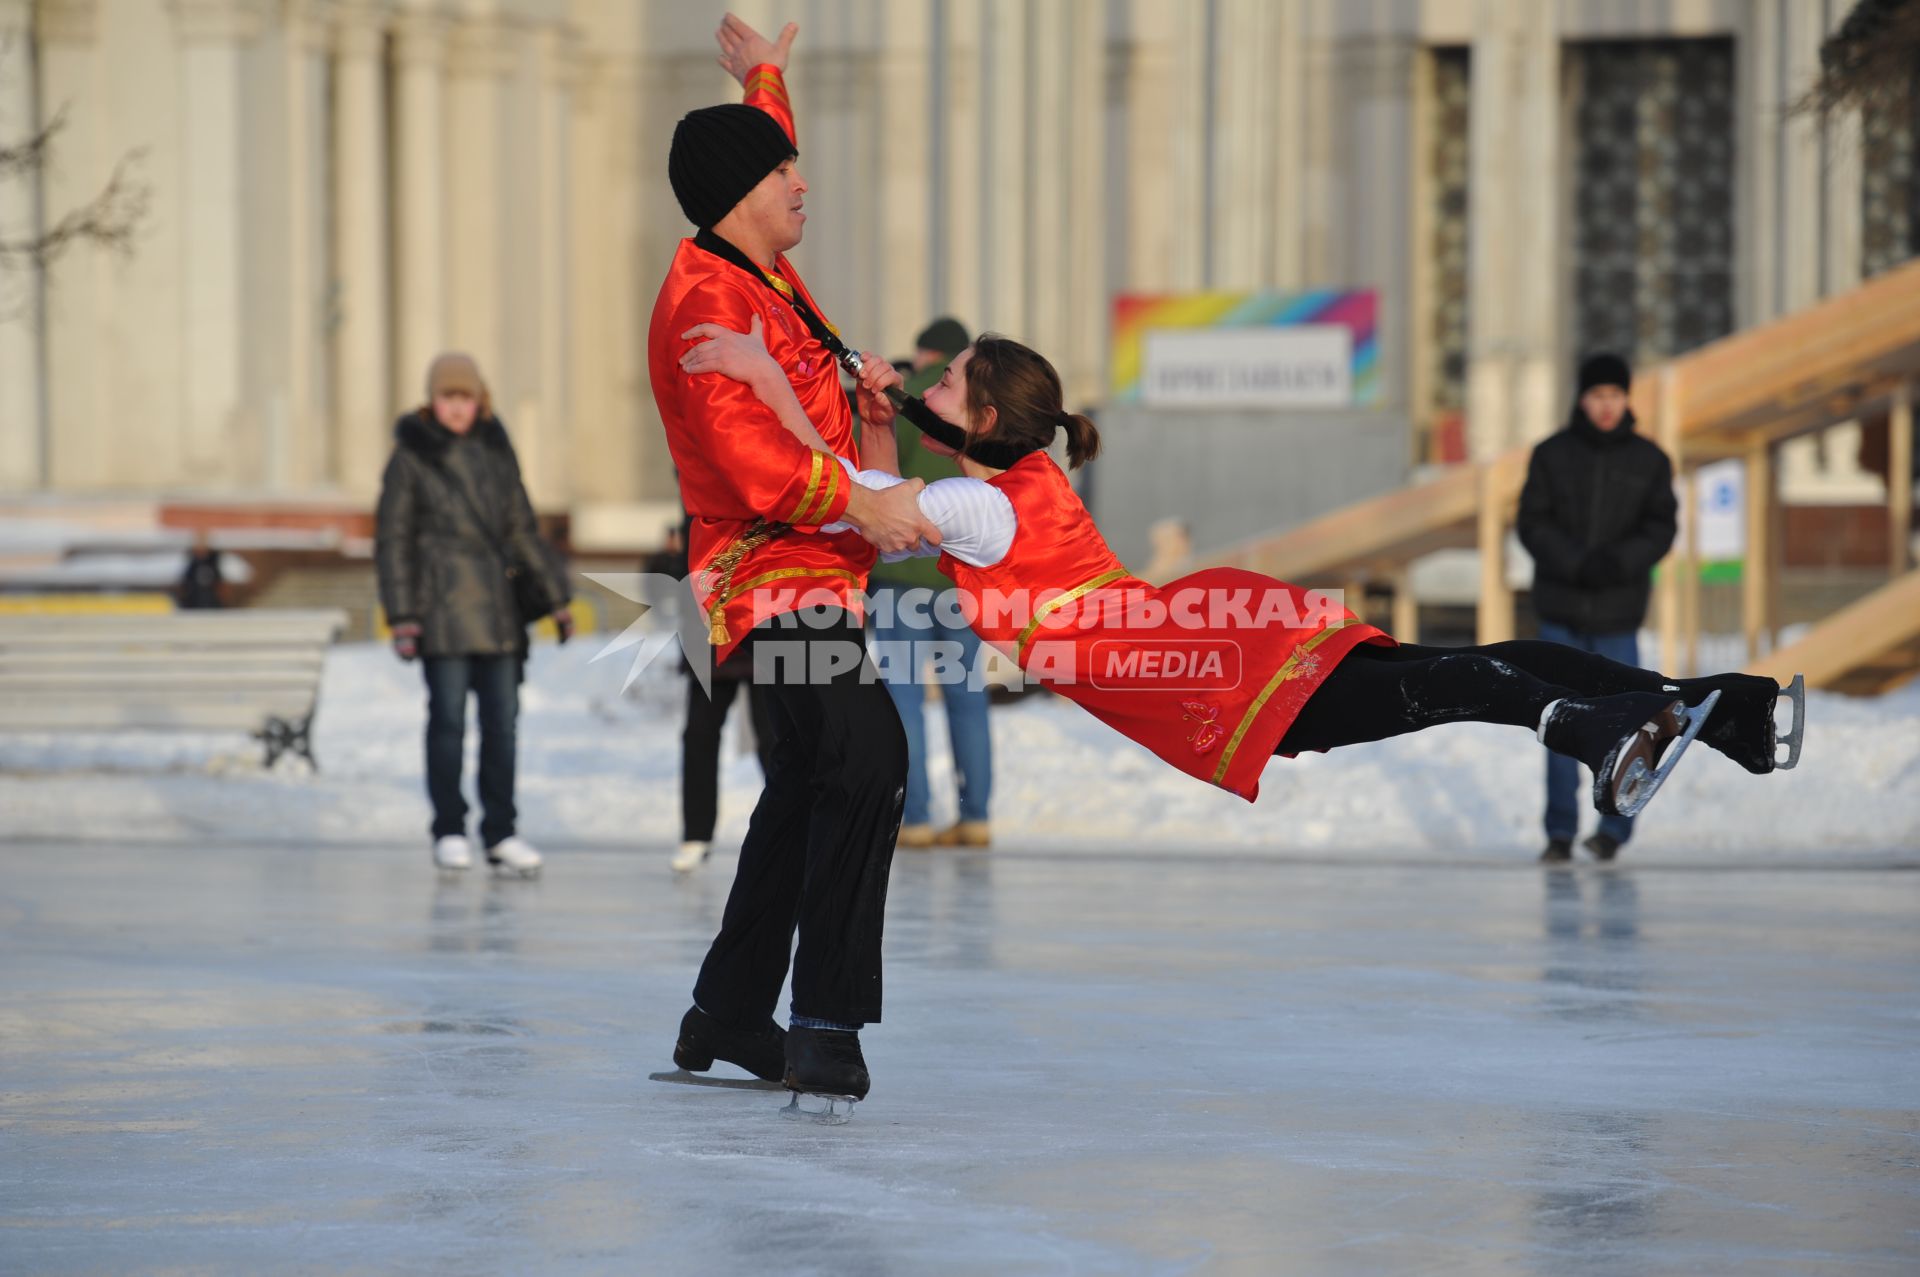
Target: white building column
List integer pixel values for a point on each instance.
(1287, 224)
(220, 433)
(550, 477)
(298, 449)
(1165, 142)
(1047, 235)
(480, 60)
(79, 448)
(959, 292)
(1010, 132)
(1316, 182)
(518, 310)
(1817, 250)
(1802, 162)
(904, 181)
(1087, 304)
(1245, 113)
(420, 222)
(1376, 200)
(1514, 175)
(21, 461)
(604, 460)
(618, 450)
(363, 383)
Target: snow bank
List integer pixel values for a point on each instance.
(599, 767)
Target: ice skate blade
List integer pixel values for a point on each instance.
(683, 1078)
(826, 1110)
(510, 874)
(1796, 692)
(1639, 786)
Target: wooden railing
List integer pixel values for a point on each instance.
(1853, 354)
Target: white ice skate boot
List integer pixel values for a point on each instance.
(514, 855)
(690, 856)
(452, 852)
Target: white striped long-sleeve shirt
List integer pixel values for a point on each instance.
(975, 518)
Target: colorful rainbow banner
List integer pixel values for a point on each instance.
(1134, 315)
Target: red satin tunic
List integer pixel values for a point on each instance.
(738, 465)
(1208, 671)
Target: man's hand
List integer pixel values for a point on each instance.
(563, 625)
(742, 48)
(406, 640)
(890, 517)
(876, 374)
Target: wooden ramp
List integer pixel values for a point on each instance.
(1380, 532)
(1854, 354)
(1869, 647)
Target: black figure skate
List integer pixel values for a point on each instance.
(826, 1073)
(1743, 726)
(1631, 742)
(760, 1051)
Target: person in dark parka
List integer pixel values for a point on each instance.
(1597, 513)
(455, 530)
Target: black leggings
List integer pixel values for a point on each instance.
(1378, 692)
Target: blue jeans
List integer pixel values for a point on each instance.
(897, 623)
(1563, 773)
(495, 683)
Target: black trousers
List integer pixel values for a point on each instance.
(700, 750)
(1378, 692)
(820, 843)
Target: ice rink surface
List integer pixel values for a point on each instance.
(232, 1059)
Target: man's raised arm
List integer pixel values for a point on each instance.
(759, 65)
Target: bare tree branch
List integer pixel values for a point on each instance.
(1874, 56)
(111, 220)
(22, 158)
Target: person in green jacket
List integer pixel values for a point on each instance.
(917, 641)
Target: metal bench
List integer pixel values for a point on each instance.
(256, 671)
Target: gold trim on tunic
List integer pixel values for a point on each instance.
(813, 486)
(816, 514)
(1051, 606)
(1288, 670)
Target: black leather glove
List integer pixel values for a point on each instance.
(406, 640)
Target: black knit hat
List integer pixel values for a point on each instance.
(945, 334)
(1603, 370)
(719, 154)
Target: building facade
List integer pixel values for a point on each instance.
(340, 188)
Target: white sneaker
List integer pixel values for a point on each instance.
(514, 855)
(690, 856)
(452, 852)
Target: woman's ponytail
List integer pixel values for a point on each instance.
(1083, 439)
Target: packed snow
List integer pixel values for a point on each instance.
(600, 767)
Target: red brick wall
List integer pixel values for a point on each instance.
(1836, 536)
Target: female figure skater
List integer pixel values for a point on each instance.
(1220, 670)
